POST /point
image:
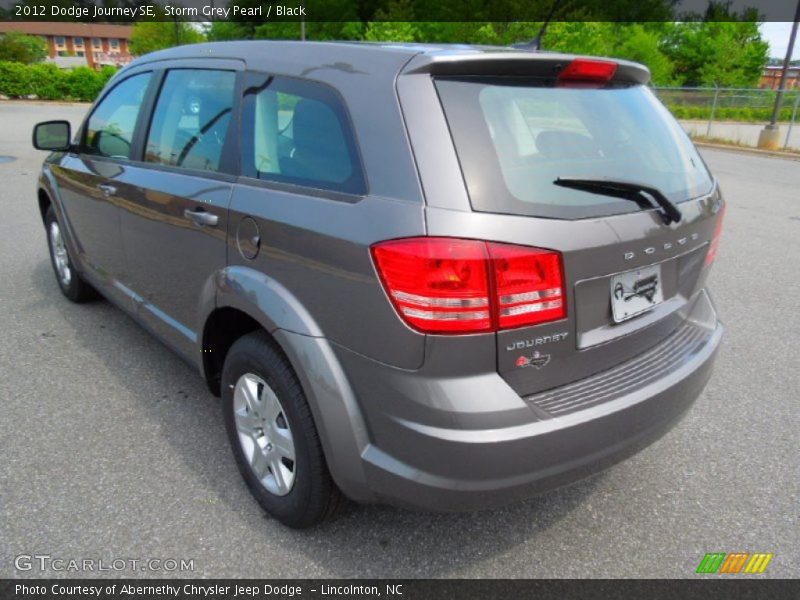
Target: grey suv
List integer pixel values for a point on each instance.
(439, 277)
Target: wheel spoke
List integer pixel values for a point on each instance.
(283, 443)
(247, 423)
(250, 391)
(272, 408)
(280, 476)
(260, 463)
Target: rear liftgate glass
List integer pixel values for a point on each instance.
(579, 145)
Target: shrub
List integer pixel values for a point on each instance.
(746, 114)
(725, 112)
(680, 112)
(14, 79)
(107, 73)
(47, 82)
(83, 84)
(698, 112)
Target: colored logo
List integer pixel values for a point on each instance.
(537, 359)
(735, 562)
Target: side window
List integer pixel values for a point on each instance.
(191, 119)
(297, 132)
(109, 131)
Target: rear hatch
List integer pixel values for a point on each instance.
(584, 160)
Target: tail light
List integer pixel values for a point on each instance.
(449, 285)
(584, 70)
(714, 245)
(438, 285)
(528, 283)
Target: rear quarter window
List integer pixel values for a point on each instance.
(514, 137)
(298, 132)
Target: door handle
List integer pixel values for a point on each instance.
(108, 190)
(201, 217)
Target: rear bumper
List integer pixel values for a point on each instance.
(444, 461)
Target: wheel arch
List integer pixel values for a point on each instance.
(248, 300)
(222, 328)
(239, 300)
(45, 202)
(47, 192)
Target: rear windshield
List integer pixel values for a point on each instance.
(514, 137)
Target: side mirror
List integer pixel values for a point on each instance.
(52, 135)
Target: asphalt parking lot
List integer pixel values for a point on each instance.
(111, 447)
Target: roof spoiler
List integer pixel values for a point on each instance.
(514, 63)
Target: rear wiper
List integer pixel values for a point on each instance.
(627, 190)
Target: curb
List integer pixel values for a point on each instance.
(751, 151)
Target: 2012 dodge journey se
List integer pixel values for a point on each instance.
(440, 277)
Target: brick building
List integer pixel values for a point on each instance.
(72, 44)
(771, 78)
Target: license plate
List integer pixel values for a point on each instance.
(635, 292)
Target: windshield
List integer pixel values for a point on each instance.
(514, 137)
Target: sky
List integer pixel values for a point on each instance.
(777, 34)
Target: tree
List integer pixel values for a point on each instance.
(642, 43)
(724, 53)
(223, 31)
(318, 31)
(393, 24)
(157, 35)
(333, 20)
(578, 37)
(716, 47)
(18, 47)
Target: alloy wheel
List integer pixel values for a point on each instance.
(264, 434)
(60, 258)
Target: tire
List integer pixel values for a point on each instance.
(72, 285)
(273, 436)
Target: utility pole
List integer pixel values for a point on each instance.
(303, 25)
(769, 137)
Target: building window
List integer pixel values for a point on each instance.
(114, 44)
(80, 53)
(60, 41)
(97, 44)
(78, 42)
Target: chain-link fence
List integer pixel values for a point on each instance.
(733, 115)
